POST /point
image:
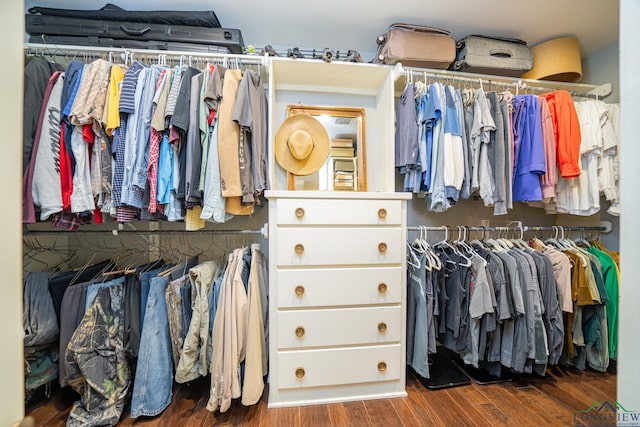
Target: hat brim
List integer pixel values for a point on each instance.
(318, 155)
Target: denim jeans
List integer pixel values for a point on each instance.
(145, 279)
(152, 388)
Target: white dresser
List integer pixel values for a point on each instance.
(336, 258)
(337, 296)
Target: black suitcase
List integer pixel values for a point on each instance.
(110, 12)
(138, 31)
(126, 44)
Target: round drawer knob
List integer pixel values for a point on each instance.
(382, 288)
(382, 213)
(300, 372)
(299, 248)
(382, 247)
(299, 290)
(299, 331)
(299, 213)
(382, 327)
(382, 366)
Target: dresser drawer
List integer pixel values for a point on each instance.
(315, 287)
(338, 246)
(315, 368)
(338, 326)
(344, 212)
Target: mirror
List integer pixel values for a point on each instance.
(345, 168)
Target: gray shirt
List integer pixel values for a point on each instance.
(251, 114)
(406, 136)
(193, 144)
(497, 157)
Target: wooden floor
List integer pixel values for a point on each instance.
(525, 401)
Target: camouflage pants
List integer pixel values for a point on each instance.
(96, 363)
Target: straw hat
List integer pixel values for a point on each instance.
(302, 145)
(557, 59)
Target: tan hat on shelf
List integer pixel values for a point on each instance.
(302, 144)
(557, 60)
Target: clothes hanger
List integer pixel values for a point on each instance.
(435, 262)
(494, 244)
(553, 241)
(519, 241)
(445, 242)
(412, 258)
(431, 259)
(470, 250)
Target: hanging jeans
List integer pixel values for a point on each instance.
(152, 388)
(39, 320)
(96, 362)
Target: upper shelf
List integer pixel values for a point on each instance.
(337, 77)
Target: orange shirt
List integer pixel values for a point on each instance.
(566, 129)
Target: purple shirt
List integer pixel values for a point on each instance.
(529, 162)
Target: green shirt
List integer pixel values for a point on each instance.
(610, 277)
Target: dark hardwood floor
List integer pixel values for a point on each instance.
(525, 401)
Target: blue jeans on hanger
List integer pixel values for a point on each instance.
(152, 388)
(145, 279)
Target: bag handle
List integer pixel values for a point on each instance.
(504, 39)
(135, 31)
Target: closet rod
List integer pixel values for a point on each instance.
(141, 232)
(70, 51)
(600, 228)
(576, 89)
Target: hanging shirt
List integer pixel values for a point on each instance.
(89, 102)
(497, 156)
(229, 136)
(111, 118)
(566, 127)
(437, 200)
(614, 115)
(505, 106)
(453, 154)
(193, 146)
(37, 74)
(132, 196)
(213, 203)
(529, 158)
(465, 191)
(155, 136)
(481, 127)
(81, 198)
(406, 136)
(45, 188)
(550, 178)
(431, 118)
(180, 123)
(581, 195)
(251, 115)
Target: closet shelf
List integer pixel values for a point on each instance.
(404, 74)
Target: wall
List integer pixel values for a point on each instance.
(628, 370)
(11, 365)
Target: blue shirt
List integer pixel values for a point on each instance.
(529, 161)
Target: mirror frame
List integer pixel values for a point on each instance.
(360, 146)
